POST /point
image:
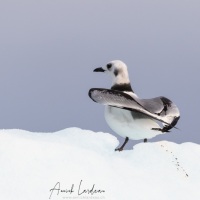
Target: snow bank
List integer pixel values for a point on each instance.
(80, 164)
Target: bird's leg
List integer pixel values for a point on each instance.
(145, 140)
(123, 145)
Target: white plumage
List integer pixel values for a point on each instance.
(127, 114)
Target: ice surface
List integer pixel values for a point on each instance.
(31, 164)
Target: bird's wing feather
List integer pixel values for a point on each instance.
(160, 108)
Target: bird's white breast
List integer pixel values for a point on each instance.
(134, 125)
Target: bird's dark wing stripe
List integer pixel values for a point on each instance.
(122, 100)
(153, 117)
(112, 92)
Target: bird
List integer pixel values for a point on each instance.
(128, 115)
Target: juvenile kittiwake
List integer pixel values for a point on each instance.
(127, 114)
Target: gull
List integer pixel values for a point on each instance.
(128, 115)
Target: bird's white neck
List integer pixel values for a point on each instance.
(121, 83)
(121, 78)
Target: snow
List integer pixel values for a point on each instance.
(31, 164)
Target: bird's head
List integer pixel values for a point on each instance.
(118, 71)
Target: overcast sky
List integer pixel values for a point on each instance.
(49, 48)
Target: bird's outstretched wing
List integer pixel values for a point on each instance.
(160, 108)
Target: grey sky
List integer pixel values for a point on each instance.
(48, 50)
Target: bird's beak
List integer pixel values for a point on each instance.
(100, 69)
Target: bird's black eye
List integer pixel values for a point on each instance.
(109, 65)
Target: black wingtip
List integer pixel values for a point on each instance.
(163, 130)
(90, 94)
(174, 122)
(166, 129)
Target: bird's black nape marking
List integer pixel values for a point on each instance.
(123, 145)
(122, 87)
